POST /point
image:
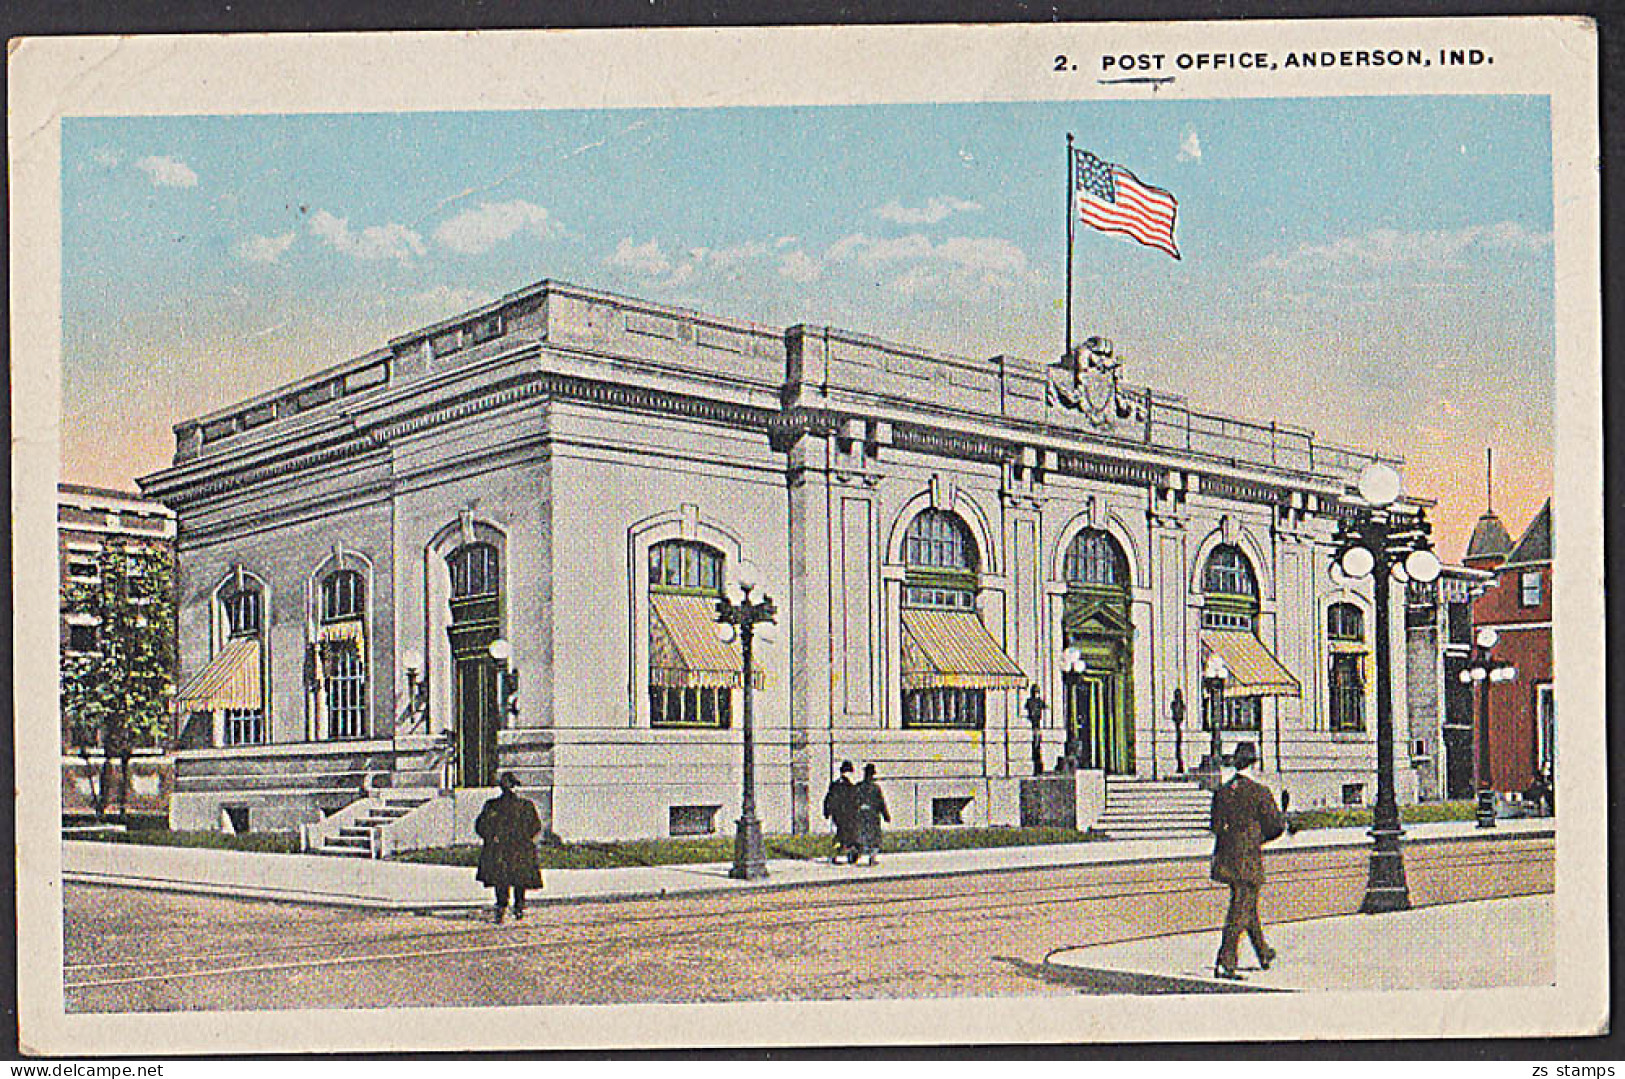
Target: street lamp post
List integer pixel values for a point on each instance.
(1486, 669)
(1072, 662)
(1176, 709)
(1383, 541)
(1215, 673)
(739, 614)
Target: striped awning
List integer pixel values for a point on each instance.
(684, 650)
(953, 650)
(1254, 670)
(230, 681)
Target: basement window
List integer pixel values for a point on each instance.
(693, 820)
(948, 811)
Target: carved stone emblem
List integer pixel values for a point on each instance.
(1086, 380)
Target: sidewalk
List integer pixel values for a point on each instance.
(1489, 943)
(311, 878)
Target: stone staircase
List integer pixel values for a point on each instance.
(357, 836)
(1155, 809)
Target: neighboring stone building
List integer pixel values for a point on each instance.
(1439, 638)
(579, 474)
(88, 518)
(1518, 606)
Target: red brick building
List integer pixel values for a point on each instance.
(1518, 606)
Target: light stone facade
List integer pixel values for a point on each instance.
(573, 430)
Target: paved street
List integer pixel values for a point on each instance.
(971, 934)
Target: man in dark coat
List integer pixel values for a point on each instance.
(1244, 818)
(841, 807)
(508, 827)
(871, 811)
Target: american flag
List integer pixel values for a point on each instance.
(1111, 199)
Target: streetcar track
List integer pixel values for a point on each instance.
(705, 922)
(1076, 892)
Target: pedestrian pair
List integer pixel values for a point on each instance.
(856, 810)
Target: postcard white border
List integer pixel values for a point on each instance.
(53, 78)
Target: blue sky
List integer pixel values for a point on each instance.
(1377, 269)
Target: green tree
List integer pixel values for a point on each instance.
(117, 697)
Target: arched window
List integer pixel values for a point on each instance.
(242, 612)
(1095, 559)
(691, 675)
(475, 571)
(1345, 632)
(1345, 622)
(941, 559)
(341, 655)
(1230, 602)
(1229, 573)
(344, 594)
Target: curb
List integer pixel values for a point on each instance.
(722, 886)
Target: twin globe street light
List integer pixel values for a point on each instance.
(1484, 670)
(744, 613)
(1384, 540)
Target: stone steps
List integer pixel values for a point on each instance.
(1155, 809)
(356, 840)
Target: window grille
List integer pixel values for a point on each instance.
(475, 571)
(1228, 572)
(1347, 692)
(939, 540)
(345, 688)
(244, 727)
(958, 708)
(1095, 559)
(681, 565)
(243, 613)
(344, 594)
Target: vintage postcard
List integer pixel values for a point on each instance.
(859, 536)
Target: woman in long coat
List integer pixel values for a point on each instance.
(508, 827)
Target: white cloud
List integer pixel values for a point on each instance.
(799, 266)
(391, 241)
(167, 172)
(264, 248)
(1439, 248)
(476, 231)
(935, 209)
(968, 265)
(1191, 148)
(646, 259)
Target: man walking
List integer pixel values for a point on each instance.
(841, 807)
(871, 811)
(1244, 818)
(507, 827)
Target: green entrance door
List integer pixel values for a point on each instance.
(1100, 698)
(477, 721)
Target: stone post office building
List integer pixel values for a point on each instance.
(579, 474)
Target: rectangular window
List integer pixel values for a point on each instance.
(81, 638)
(83, 571)
(953, 599)
(1529, 588)
(1353, 794)
(244, 727)
(445, 343)
(1238, 714)
(1217, 619)
(962, 709)
(486, 328)
(703, 706)
(1347, 693)
(345, 689)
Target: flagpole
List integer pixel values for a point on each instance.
(1071, 184)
